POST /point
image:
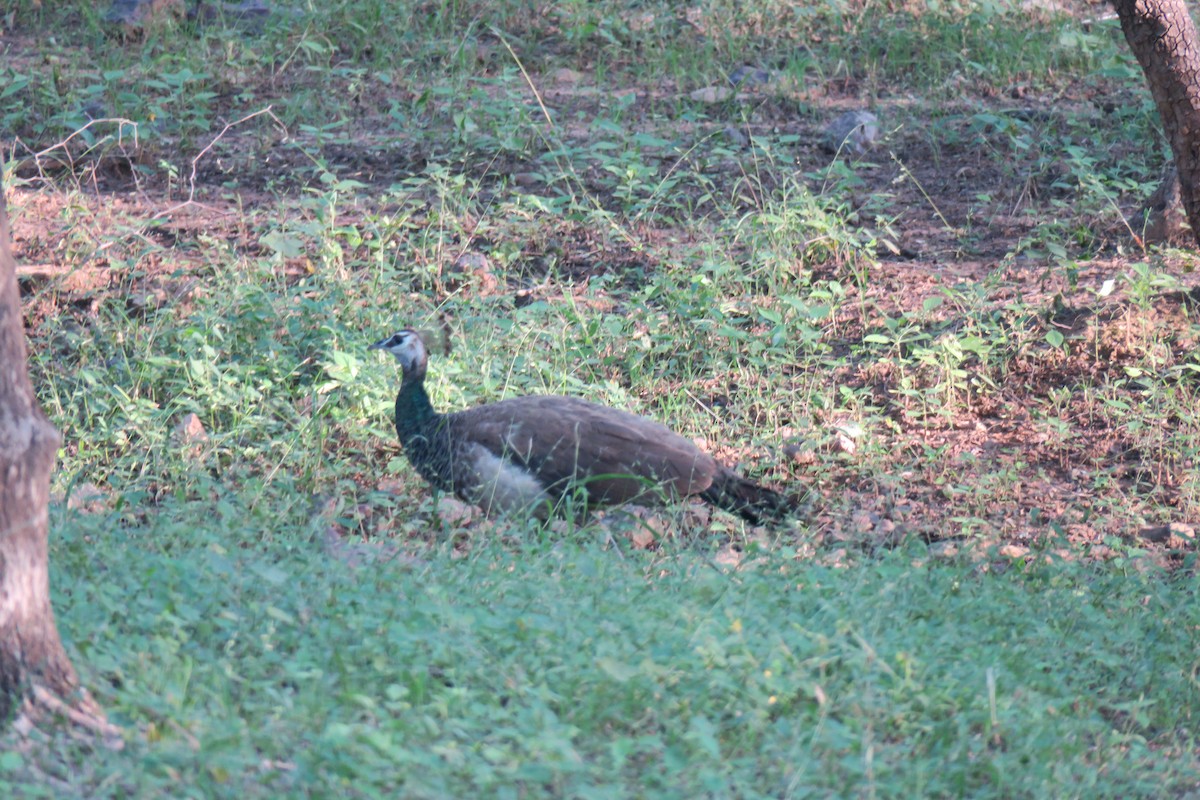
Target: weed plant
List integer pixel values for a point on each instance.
(279, 607)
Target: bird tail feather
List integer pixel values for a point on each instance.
(753, 503)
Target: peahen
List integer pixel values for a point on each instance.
(528, 453)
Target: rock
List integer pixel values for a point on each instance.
(735, 136)
(852, 133)
(1175, 535)
(747, 76)
(251, 14)
(712, 94)
(137, 15)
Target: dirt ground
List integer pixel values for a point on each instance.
(69, 243)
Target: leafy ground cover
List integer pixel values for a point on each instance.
(954, 346)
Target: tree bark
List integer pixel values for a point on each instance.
(32, 659)
(1164, 40)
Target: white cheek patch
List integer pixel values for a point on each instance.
(409, 351)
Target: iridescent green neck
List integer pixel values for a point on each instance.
(414, 412)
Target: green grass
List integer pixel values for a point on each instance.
(253, 667)
(923, 341)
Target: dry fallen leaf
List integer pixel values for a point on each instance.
(190, 430)
(1014, 551)
(455, 513)
(88, 498)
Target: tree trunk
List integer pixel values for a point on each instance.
(32, 660)
(1164, 40)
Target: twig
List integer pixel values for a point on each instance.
(196, 161)
(121, 123)
(702, 405)
(908, 174)
(36, 157)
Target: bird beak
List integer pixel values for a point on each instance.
(379, 345)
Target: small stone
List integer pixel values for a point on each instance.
(852, 133)
(746, 76)
(736, 136)
(712, 94)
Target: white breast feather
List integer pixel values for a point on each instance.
(504, 486)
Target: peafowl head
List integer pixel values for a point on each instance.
(409, 349)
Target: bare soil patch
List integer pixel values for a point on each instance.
(958, 214)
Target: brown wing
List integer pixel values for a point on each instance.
(616, 456)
